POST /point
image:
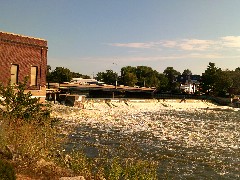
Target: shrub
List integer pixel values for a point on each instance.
(20, 105)
(6, 171)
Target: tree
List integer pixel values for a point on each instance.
(163, 82)
(128, 69)
(127, 73)
(209, 78)
(78, 75)
(171, 75)
(235, 89)
(109, 77)
(60, 75)
(143, 76)
(100, 76)
(152, 79)
(187, 72)
(223, 83)
(237, 69)
(142, 73)
(130, 79)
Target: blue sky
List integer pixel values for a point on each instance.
(90, 36)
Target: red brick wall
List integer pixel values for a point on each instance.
(25, 52)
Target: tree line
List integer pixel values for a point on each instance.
(214, 81)
(61, 74)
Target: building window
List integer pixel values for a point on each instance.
(14, 74)
(34, 70)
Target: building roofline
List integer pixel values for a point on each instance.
(21, 39)
(24, 36)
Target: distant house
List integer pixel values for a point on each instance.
(189, 83)
(82, 81)
(23, 56)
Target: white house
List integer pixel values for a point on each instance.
(188, 88)
(82, 81)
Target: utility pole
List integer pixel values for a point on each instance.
(116, 78)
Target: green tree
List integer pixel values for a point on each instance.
(209, 78)
(187, 72)
(152, 79)
(127, 73)
(237, 69)
(78, 75)
(223, 82)
(235, 88)
(171, 75)
(130, 79)
(235, 78)
(128, 69)
(100, 76)
(142, 73)
(60, 75)
(109, 77)
(143, 76)
(163, 82)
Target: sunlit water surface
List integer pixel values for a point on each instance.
(202, 144)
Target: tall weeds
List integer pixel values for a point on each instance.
(27, 133)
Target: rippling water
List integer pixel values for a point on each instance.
(202, 144)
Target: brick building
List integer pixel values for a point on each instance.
(22, 56)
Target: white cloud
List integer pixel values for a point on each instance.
(205, 46)
(205, 56)
(184, 44)
(231, 41)
(169, 44)
(134, 45)
(171, 57)
(195, 44)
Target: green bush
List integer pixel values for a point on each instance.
(6, 171)
(16, 104)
